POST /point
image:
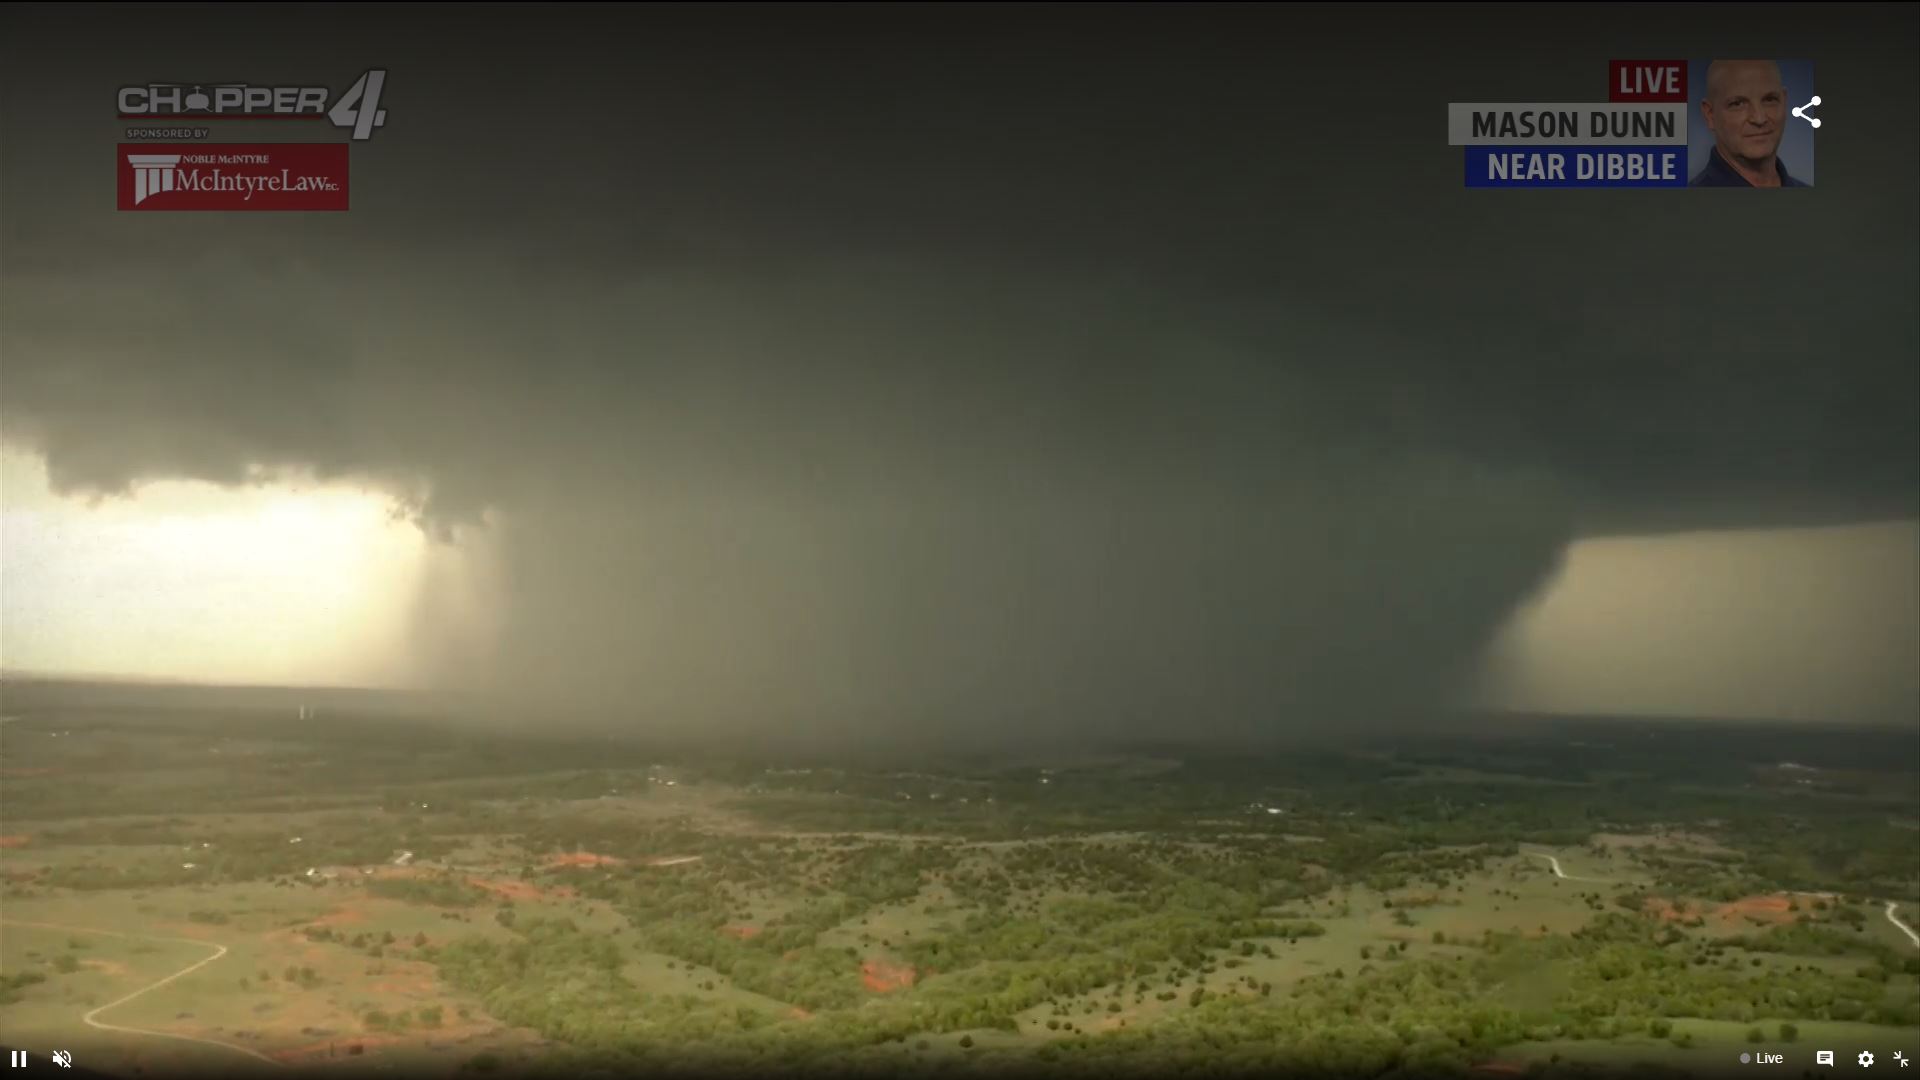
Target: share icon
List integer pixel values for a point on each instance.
(1801, 111)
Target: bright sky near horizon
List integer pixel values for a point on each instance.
(317, 585)
(188, 580)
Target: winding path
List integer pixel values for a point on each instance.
(1554, 861)
(1904, 928)
(91, 1017)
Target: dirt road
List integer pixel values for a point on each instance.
(91, 1018)
(1554, 862)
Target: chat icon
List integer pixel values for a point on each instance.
(1823, 1057)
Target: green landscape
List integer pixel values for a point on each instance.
(206, 890)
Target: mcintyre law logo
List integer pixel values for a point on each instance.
(155, 173)
(356, 109)
(229, 176)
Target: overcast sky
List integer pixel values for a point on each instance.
(1128, 369)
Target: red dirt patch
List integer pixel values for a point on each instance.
(744, 933)
(1502, 1068)
(1664, 910)
(1774, 908)
(346, 916)
(799, 1013)
(585, 858)
(16, 840)
(885, 978)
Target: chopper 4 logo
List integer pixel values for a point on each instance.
(357, 109)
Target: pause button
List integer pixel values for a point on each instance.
(17, 1058)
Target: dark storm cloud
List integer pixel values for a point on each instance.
(857, 364)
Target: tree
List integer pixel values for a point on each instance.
(1789, 1032)
(1755, 1035)
(966, 1042)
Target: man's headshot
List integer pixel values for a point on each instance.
(1744, 106)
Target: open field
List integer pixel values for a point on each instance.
(439, 902)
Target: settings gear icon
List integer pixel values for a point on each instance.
(1866, 1059)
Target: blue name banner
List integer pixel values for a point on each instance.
(1576, 166)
